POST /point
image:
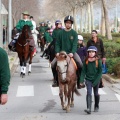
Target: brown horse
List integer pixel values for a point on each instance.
(23, 49)
(67, 80)
(41, 41)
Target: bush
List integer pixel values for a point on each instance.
(116, 69)
(111, 64)
(115, 34)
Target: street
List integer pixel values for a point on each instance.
(33, 98)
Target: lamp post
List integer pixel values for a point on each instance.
(9, 20)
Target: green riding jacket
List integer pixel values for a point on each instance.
(67, 41)
(48, 38)
(21, 24)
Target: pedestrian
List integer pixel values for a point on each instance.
(4, 76)
(81, 51)
(67, 41)
(91, 73)
(98, 43)
(4, 34)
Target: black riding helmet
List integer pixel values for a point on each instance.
(69, 18)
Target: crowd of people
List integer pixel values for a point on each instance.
(89, 57)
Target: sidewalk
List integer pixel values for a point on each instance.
(12, 56)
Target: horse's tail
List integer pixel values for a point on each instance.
(77, 92)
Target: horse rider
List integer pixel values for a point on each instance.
(34, 32)
(26, 21)
(67, 41)
(42, 29)
(51, 49)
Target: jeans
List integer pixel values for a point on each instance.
(89, 88)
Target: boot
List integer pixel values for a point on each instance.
(89, 102)
(78, 78)
(55, 81)
(96, 106)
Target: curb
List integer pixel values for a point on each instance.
(110, 79)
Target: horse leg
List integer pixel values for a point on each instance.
(24, 71)
(72, 97)
(61, 88)
(30, 62)
(69, 98)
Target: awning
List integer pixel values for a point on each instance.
(3, 10)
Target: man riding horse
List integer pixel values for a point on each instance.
(26, 21)
(67, 41)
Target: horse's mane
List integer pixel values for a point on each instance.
(28, 29)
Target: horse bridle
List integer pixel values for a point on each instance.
(67, 67)
(23, 45)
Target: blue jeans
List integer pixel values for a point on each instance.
(89, 88)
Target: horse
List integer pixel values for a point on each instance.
(67, 78)
(41, 41)
(23, 49)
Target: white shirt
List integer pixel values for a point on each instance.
(34, 26)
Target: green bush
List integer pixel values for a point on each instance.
(116, 70)
(115, 34)
(111, 64)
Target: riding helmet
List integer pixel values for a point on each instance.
(92, 48)
(57, 22)
(69, 18)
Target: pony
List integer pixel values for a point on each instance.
(23, 49)
(67, 78)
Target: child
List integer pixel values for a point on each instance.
(81, 48)
(92, 73)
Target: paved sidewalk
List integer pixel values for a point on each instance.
(12, 56)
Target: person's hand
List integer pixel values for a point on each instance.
(4, 99)
(57, 54)
(82, 85)
(103, 60)
(70, 55)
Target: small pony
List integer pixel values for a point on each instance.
(67, 78)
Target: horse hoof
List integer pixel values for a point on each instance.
(67, 110)
(72, 105)
(29, 72)
(64, 108)
(21, 74)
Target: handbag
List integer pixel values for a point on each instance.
(104, 68)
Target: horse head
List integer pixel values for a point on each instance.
(62, 65)
(26, 32)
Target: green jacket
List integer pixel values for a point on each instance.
(91, 72)
(21, 24)
(42, 29)
(55, 33)
(67, 41)
(48, 38)
(4, 72)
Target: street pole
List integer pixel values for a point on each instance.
(9, 20)
(1, 38)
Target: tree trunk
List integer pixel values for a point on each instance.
(81, 21)
(89, 18)
(92, 15)
(108, 32)
(75, 21)
(86, 21)
(102, 29)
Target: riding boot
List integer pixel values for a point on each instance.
(78, 78)
(89, 102)
(55, 81)
(96, 106)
